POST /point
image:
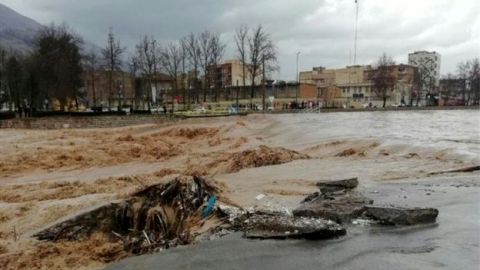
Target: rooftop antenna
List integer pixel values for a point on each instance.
(356, 30)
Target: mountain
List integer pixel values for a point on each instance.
(17, 31)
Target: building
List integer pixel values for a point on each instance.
(351, 86)
(97, 89)
(454, 92)
(230, 74)
(127, 90)
(428, 64)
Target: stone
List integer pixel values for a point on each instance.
(401, 216)
(287, 227)
(338, 185)
(341, 209)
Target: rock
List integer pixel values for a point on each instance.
(340, 209)
(283, 227)
(337, 185)
(401, 216)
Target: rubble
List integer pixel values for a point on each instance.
(337, 185)
(339, 208)
(401, 216)
(283, 227)
(338, 202)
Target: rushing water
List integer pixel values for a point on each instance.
(452, 243)
(458, 130)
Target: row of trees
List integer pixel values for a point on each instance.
(57, 68)
(53, 69)
(465, 83)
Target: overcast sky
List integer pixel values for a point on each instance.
(322, 30)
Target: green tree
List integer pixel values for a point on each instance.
(14, 80)
(59, 61)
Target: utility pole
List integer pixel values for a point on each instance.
(298, 79)
(356, 36)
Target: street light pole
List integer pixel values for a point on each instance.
(298, 79)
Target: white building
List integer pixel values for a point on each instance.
(428, 64)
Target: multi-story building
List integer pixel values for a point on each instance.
(230, 74)
(428, 64)
(126, 90)
(351, 86)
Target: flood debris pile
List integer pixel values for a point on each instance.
(338, 201)
(263, 156)
(159, 216)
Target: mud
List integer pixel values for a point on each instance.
(260, 157)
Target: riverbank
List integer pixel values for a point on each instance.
(452, 243)
(47, 176)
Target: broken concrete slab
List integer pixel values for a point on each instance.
(341, 208)
(284, 227)
(337, 185)
(401, 216)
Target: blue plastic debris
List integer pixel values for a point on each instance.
(207, 211)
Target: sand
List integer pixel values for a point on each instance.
(49, 175)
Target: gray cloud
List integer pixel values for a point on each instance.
(321, 29)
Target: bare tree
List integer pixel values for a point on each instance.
(383, 78)
(241, 41)
(112, 55)
(171, 60)
(147, 54)
(204, 40)
(474, 79)
(91, 65)
(262, 56)
(448, 88)
(183, 86)
(463, 69)
(217, 49)
(133, 68)
(194, 53)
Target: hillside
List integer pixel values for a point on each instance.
(16, 30)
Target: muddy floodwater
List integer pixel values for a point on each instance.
(411, 145)
(263, 162)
